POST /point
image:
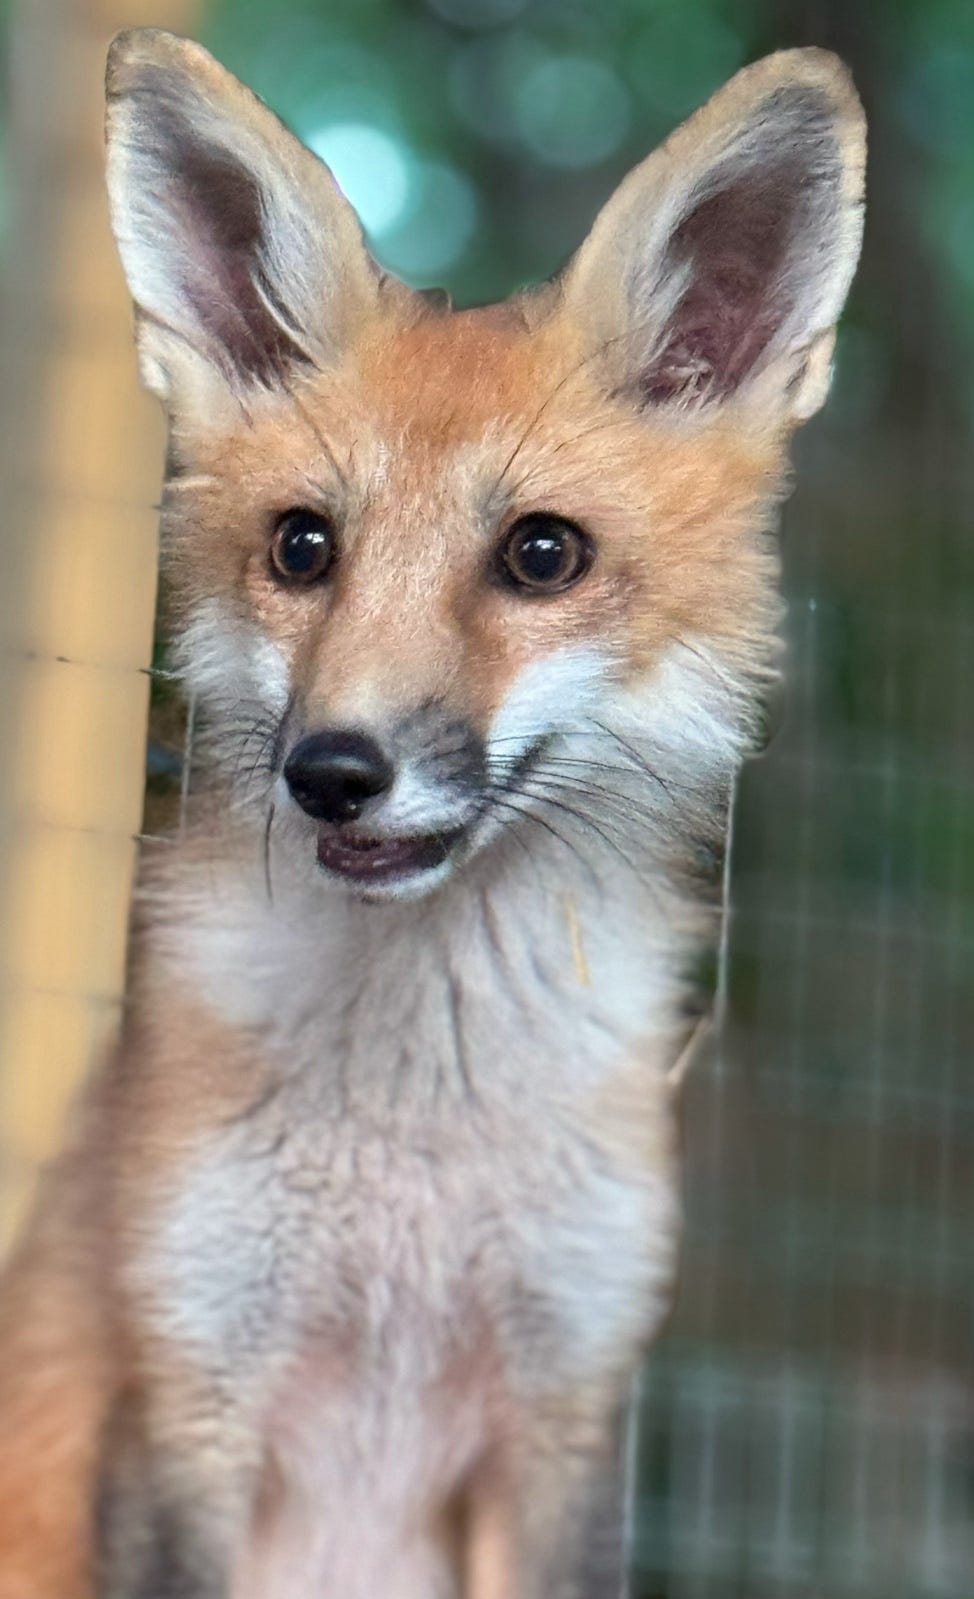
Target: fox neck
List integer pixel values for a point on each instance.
(544, 961)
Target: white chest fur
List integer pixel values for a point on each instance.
(428, 1189)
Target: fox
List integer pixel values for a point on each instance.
(361, 1232)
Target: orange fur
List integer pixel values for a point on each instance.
(303, 1200)
(55, 1382)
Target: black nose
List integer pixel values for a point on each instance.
(332, 775)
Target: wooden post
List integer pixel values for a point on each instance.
(81, 462)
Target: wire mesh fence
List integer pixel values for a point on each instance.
(807, 1425)
(807, 1420)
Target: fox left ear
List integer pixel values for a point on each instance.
(243, 258)
(721, 264)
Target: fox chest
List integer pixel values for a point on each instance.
(406, 1256)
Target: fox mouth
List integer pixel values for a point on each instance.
(366, 860)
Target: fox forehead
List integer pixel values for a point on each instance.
(427, 442)
(448, 376)
(433, 434)
(423, 383)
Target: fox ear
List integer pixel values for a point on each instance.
(721, 264)
(242, 256)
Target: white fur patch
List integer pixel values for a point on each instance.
(557, 691)
(417, 804)
(432, 1148)
(692, 710)
(223, 658)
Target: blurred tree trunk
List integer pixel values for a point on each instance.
(81, 453)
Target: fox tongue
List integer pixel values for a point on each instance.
(385, 857)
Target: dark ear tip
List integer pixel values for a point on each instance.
(133, 48)
(808, 64)
(809, 84)
(816, 71)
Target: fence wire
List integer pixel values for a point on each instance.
(807, 1424)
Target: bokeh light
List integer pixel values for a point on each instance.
(572, 111)
(679, 51)
(937, 96)
(477, 13)
(485, 77)
(372, 169)
(440, 227)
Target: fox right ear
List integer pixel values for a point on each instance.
(243, 257)
(716, 272)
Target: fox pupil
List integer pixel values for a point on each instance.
(303, 547)
(543, 558)
(546, 553)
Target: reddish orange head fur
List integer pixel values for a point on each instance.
(644, 400)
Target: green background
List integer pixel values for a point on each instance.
(807, 1421)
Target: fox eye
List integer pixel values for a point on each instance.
(545, 554)
(303, 546)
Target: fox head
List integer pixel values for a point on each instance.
(444, 575)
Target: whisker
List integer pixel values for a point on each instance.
(319, 436)
(573, 372)
(267, 853)
(624, 808)
(507, 802)
(631, 750)
(585, 818)
(575, 438)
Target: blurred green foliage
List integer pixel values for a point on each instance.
(486, 132)
(808, 1428)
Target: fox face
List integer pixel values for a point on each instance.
(440, 575)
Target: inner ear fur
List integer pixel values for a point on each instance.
(722, 262)
(240, 251)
